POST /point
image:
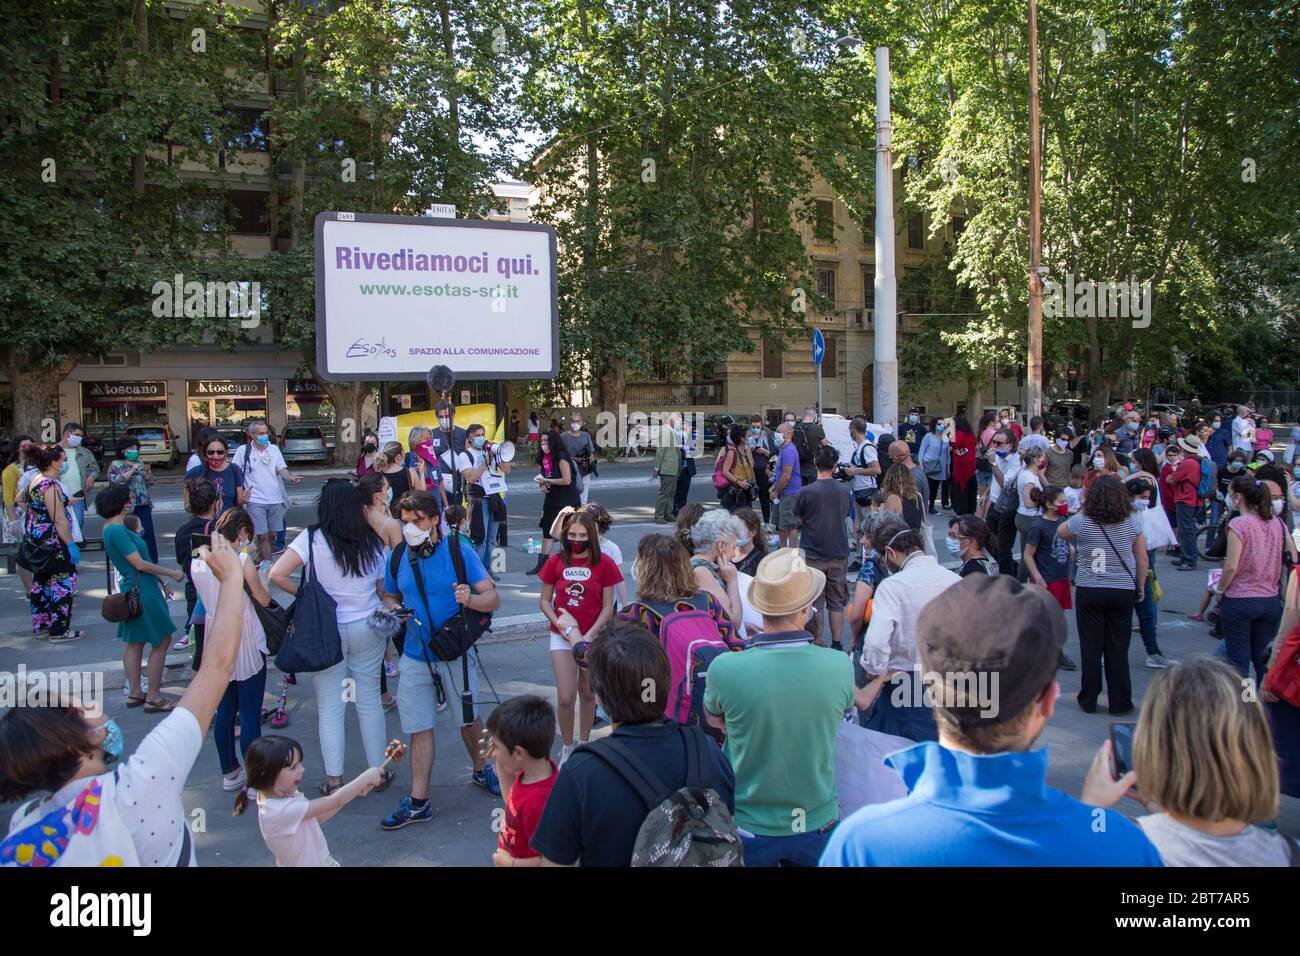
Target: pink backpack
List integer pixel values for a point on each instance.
(692, 634)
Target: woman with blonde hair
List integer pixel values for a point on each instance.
(1203, 765)
(901, 496)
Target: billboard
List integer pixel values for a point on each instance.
(396, 295)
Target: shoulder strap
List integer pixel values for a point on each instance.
(1122, 562)
(396, 559)
(631, 768)
(695, 757)
(310, 571)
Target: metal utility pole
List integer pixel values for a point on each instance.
(1034, 379)
(885, 375)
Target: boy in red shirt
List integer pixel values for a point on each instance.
(1180, 486)
(522, 731)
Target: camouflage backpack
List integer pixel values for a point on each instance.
(690, 826)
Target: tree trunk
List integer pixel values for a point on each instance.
(975, 382)
(613, 384)
(33, 387)
(349, 399)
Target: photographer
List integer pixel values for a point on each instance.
(485, 481)
(822, 509)
(432, 599)
(863, 468)
(763, 451)
(583, 451)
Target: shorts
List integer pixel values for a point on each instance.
(785, 520)
(983, 478)
(836, 593)
(267, 519)
(1061, 591)
(560, 643)
(417, 703)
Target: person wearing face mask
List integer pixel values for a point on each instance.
(1029, 484)
(369, 452)
(1158, 533)
(485, 481)
(421, 576)
(583, 451)
(1046, 557)
(1293, 492)
(399, 473)
(935, 457)
(243, 694)
(48, 552)
(217, 468)
(968, 542)
(915, 579)
(1010, 420)
(137, 476)
(577, 597)
(1060, 458)
(1181, 486)
(347, 561)
(751, 548)
(82, 470)
(263, 466)
(1004, 501)
(912, 431)
(762, 449)
(1243, 430)
(77, 754)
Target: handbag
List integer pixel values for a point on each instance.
(1283, 679)
(274, 620)
(927, 532)
(43, 559)
(312, 641)
(463, 629)
(123, 606)
(720, 482)
(1157, 592)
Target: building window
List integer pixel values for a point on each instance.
(247, 212)
(246, 129)
(772, 367)
(830, 361)
(958, 227)
(824, 225)
(826, 284)
(869, 225)
(916, 231)
(868, 287)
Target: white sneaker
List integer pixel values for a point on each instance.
(231, 784)
(1159, 661)
(565, 751)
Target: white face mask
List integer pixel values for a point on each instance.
(74, 441)
(1278, 504)
(1099, 463)
(575, 425)
(1061, 443)
(1141, 504)
(414, 536)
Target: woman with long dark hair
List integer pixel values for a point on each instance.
(1110, 572)
(1251, 608)
(348, 560)
(202, 501)
(737, 466)
(558, 480)
(964, 485)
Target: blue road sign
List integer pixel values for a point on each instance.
(819, 347)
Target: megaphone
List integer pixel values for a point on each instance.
(504, 452)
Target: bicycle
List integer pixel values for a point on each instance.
(1207, 533)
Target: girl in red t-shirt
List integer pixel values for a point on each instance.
(578, 599)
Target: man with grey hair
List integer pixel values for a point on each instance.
(263, 467)
(583, 451)
(1243, 431)
(714, 537)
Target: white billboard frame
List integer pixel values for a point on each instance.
(327, 373)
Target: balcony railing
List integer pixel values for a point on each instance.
(648, 395)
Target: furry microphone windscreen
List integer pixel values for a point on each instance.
(385, 623)
(441, 379)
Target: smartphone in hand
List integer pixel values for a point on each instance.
(1121, 747)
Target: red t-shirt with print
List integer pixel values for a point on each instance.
(524, 808)
(579, 587)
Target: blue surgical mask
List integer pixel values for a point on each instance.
(263, 440)
(940, 427)
(114, 742)
(63, 470)
(912, 419)
(954, 546)
(742, 542)
(1234, 466)
(479, 441)
(1002, 452)
(388, 495)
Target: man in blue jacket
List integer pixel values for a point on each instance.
(979, 796)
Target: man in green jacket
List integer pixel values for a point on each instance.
(668, 462)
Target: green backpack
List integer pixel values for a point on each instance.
(690, 826)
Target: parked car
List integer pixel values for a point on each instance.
(304, 443)
(158, 444)
(1070, 412)
(1176, 410)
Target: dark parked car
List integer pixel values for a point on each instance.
(1067, 411)
(719, 421)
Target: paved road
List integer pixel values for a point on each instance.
(516, 661)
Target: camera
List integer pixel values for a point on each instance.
(841, 473)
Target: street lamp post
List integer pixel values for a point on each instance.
(1035, 370)
(885, 375)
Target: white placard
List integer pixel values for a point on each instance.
(443, 210)
(492, 484)
(387, 430)
(838, 434)
(396, 295)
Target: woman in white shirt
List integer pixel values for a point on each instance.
(348, 558)
(1033, 468)
(72, 751)
(1206, 772)
(248, 682)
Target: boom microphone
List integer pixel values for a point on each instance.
(441, 379)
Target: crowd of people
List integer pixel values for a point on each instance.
(750, 646)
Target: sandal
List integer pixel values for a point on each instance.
(161, 706)
(66, 636)
(326, 788)
(133, 701)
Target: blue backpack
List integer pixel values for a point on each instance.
(1206, 486)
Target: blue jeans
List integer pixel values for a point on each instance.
(913, 721)
(798, 849)
(79, 509)
(145, 514)
(491, 527)
(1147, 611)
(246, 696)
(1186, 518)
(1249, 625)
